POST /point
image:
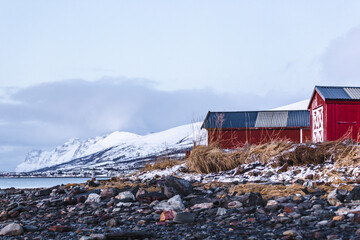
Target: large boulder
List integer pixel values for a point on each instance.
(184, 217)
(342, 194)
(108, 192)
(333, 198)
(174, 203)
(43, 192)
(150, 197)
(176, 186)
(354, 194)
(126, 196)
(93, 197)
(12, 229)
(251, 199)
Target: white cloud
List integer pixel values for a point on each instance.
(340, 62)
(49, 114)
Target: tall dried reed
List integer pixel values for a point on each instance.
(208, 159)
(161, 163)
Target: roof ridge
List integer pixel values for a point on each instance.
(316, 86)
(303, 110)
(339, 93)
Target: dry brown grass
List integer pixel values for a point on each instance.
(305, 154)
(69, 185)
(342, 153)
(264, 152)
(350, 156)
(276, 191)
(123, 184)
(269, 191)
(207, 159)
(161, 163)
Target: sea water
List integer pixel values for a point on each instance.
(36, 182)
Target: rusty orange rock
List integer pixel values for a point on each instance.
(167, 215)
(338, 218)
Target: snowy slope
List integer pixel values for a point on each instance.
(302, 105)
(112, 149)
(121, 150)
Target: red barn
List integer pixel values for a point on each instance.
(233, 129)
(334, 113)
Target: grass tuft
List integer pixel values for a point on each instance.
(161, 164)
(276, 191)
(209, 159)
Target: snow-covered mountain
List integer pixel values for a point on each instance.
(118, 150)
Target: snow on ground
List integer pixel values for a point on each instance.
(263, 173)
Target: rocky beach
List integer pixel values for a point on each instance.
(171, 207)
(272, 191)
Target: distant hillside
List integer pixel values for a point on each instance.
(118, 150)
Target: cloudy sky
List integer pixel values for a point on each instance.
(77, 69)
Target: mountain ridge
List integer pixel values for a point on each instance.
(117, 150)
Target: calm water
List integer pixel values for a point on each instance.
(39, 182)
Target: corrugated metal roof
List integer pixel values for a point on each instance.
(251, 119)
(339, 93)
(230, 120)
(271, 119)
(298, 118)
(333, 92)
(354, 93)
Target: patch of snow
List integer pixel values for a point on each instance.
(301, 105)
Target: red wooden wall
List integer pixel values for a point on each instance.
(341, 119)
(233, 138)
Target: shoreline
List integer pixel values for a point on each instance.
(50, 177)
(171, 207)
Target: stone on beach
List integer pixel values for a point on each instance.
(332, 198)
(126, 196)
(167, 215)
(203, 205)
(93, 197)
(12, 229)
(174, 203)
(176, 186)
(184, 217)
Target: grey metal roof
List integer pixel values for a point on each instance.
(354, 93)
(271, 119)
(257, 119)
(298, 118)
(339, 93)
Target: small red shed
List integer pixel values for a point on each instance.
(335, 113)
(230, 130)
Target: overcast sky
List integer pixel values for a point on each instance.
(77, 69)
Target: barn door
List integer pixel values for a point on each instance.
(318, 124)
(347, 130)
(347, 121)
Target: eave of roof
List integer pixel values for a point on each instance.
(319, 91)
(257, 119)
